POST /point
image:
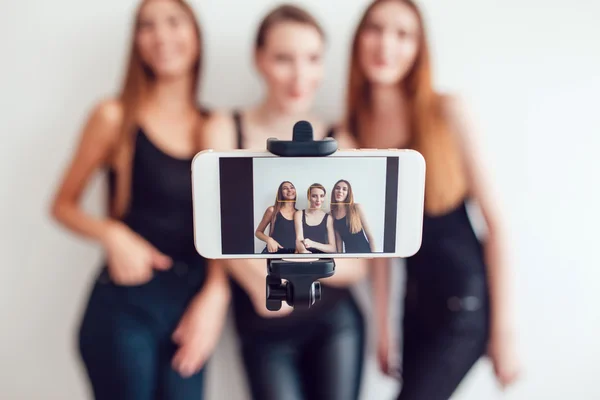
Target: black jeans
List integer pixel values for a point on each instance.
(125, 337)
(320, 359)
(442, 341)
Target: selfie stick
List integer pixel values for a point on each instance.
(301, 289)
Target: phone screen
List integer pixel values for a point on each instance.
(319, 205)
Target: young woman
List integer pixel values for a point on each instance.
(314, 227)
(457, 298)
(155, 312)
(280, 219)
(317, 353)
(352, 232)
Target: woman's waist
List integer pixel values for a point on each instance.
(173, 238)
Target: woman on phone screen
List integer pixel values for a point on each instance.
(315, 353)
(456, 305)
(314, 227)
(352, 232)
(156, 311)
(280, 219)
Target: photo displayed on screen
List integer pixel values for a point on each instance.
(324, 205)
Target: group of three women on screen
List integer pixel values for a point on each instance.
(313, 230)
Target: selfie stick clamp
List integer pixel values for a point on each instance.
(301, 289)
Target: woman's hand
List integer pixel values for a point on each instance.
(502, 352)
(131, 259)
(388, 354)
(199, 330)
(273, 245)
(308, 243)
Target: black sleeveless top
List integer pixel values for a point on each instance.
(160, 208)
(248, 322)
(284, 233)
(316, 233)
(353, 242)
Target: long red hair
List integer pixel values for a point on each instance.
(445, 179)
(137, 82)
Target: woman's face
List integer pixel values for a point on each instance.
(388, 43)
(317, 198)
(291, 64)
(340, 192)
(166, 38)
(288, 191)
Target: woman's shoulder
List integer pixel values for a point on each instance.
(219, 131)
(109, 111)
(104, 123)
(455, 110)
(220, 118)
(343, 136)
(451, 105)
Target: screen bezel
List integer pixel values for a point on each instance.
(206, 197)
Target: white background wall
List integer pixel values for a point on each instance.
(528, 67)
(367, 177)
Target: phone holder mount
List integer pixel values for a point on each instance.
(302, 288)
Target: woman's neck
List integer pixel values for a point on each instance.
(339, 212)
(172, 94)
(387, 121)
(387, 101)
(270, 115)
(287, 207)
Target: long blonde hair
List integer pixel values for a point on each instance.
(445, 177)
(353, 218)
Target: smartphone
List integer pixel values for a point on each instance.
(359, 203)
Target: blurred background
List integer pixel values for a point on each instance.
(527, 68)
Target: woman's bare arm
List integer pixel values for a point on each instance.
(262, 226)
(483, 193)
(299, 232)
(99, 136)
(499, 273)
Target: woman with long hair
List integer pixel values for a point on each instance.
(351, 230)
(156, 311)
(280, 219)
(315, 353)
(457, 300)
(314, 227)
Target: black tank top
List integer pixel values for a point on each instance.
(317, 233)
(353, 242)
(160, 208)
(284, 232)
(248, 322)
